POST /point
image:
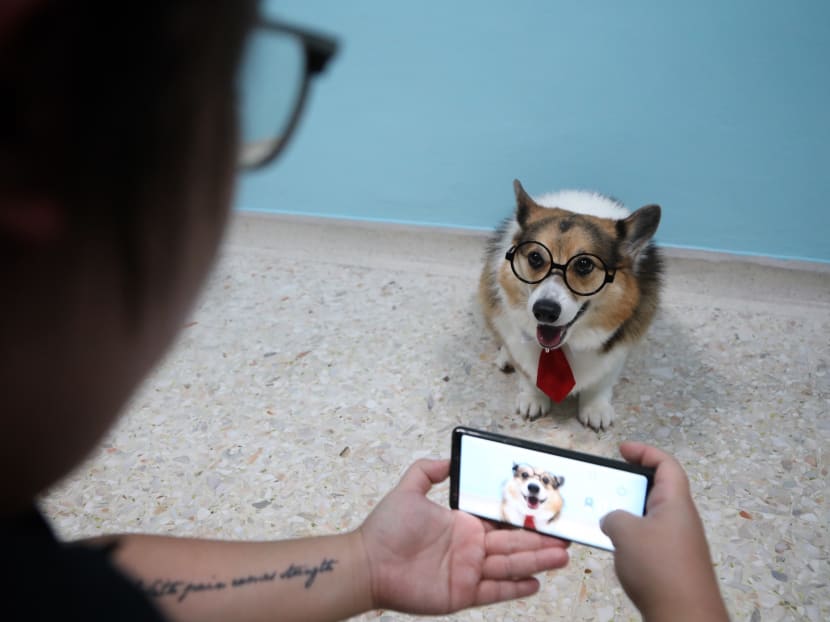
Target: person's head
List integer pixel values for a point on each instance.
(117, 156)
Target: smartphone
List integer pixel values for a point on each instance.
(554, 491)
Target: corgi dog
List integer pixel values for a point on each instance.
(570, 284)
(531, 497)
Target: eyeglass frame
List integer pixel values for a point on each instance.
(609, 274)
(318, 50)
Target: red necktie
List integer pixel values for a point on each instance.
(529, 522)
(554, 376)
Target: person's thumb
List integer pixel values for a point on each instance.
(619, 524)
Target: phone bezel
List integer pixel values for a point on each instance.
(455, 465)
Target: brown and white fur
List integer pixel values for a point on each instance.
(531, 493)
(599, 330)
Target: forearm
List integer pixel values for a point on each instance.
(699, 600)
(712, 610)
(325, 578)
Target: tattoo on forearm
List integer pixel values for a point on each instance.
(181, 588)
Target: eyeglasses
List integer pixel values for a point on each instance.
(278, 65)
(584, 274)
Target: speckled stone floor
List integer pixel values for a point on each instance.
(345, 351)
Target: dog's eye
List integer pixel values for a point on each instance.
(535, 260)
(545, 481)
(583, 266)
(524, 476)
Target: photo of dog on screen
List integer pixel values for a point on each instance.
(531, 498)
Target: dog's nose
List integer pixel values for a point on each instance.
(533, 488)
(546, 310)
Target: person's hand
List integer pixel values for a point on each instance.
(427, 559)
(662, 559)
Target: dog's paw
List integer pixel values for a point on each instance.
(597, 415)
(532, 405)
(503, 361)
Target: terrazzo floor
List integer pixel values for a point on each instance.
(343, 352)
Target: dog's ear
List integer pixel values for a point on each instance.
(636, 230)
(515, 468)
(525, 206)
(558, 480)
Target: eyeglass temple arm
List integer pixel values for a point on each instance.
(319, 48)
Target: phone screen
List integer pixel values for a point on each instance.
(554, 491)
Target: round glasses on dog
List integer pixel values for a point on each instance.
(584, 274)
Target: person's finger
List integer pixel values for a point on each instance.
(511, 540)
(619, 525)
(421, 475)
(497, 591)
(641, 453)
(523, 565)
(669, 471)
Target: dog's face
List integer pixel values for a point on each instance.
(532, 491)
(580, 253)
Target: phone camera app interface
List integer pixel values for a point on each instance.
(549, 493)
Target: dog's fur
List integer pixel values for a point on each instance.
(531, 492)
(599, 330)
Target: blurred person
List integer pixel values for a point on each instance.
(118, 151)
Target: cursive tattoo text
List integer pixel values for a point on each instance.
(181, 588)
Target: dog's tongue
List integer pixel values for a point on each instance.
(548, 336)
(532, 502)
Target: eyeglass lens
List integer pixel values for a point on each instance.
(531, 262)
(269, 90)
(583, 274)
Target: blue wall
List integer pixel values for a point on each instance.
(718, 110)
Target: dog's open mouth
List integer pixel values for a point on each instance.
(532, 502)
(550, 336)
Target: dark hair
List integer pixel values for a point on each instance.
(99, 108)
